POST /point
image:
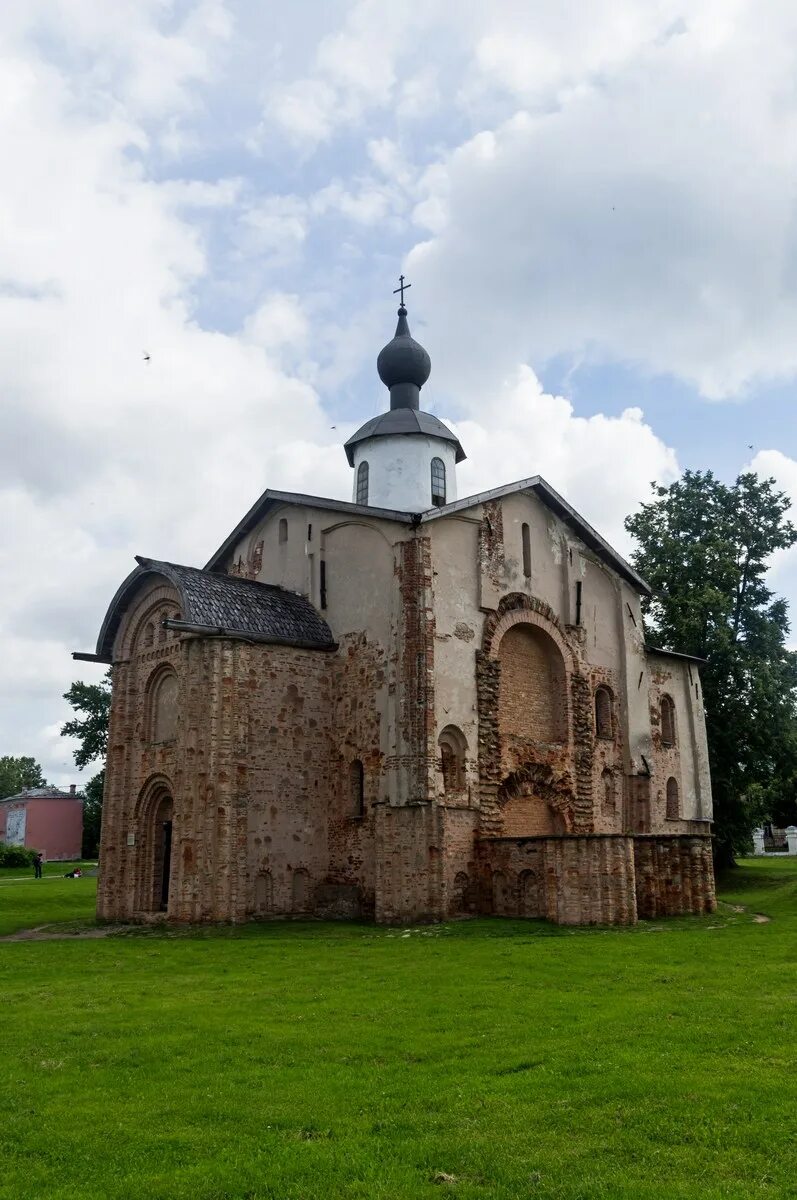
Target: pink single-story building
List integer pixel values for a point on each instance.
(46, 819)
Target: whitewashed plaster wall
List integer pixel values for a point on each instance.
(400, 470)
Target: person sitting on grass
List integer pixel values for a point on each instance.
(76, 874)
(38, 859)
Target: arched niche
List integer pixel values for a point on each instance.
(153, 820)
(453, 748)
(359, 579)
(162, 705)
(533, 694)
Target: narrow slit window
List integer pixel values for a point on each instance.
(362, 483)
(283, 530)
(667, 721)
(438, 483)
(603, 713)
(526, 535)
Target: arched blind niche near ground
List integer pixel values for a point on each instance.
(357, 788)
(362, 483)
(667, 721)
(162, 706)
(264, 894)
(300, 890)
(533, 689)
(603, 713)
(453, 749)
(673, 799)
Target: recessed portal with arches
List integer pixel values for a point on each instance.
(155, 845)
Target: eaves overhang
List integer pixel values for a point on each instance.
(221, 605)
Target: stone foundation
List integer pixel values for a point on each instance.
(591, 879)
(674, 875)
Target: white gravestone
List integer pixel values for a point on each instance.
(791, 839)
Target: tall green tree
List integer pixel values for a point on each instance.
(92, 704)
(705, 548)
(16, 774)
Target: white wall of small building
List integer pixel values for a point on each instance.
(400, 470)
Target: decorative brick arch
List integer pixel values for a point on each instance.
(161, 600)
(517, 609)
(154, 809)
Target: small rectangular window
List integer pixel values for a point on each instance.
(578, 603)
(309, 533)
(322, 568)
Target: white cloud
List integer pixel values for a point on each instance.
(602, 465)
(642, 214)
(612, 182)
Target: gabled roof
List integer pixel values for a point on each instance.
(403, 421)
(42, 793)
(535, 483)
(273, 499)
(674, 654)
(223, 604)
(551, 499)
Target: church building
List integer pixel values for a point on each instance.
(407, 707)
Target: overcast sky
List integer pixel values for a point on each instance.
(595, 202)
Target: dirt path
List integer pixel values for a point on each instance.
(52, 933)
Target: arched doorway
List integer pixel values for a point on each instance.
(154, 839)
(162, 853)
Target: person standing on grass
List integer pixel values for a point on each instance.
(37, 865)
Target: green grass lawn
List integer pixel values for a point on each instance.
(26, 902)
(481, 1059)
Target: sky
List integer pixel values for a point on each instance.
(595, 204)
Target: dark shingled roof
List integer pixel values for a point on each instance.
(224, 604)
(402, 421)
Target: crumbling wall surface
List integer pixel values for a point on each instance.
(674, 875)
(684, 759)
(571, 880)
(412, 761)
(458, 826)
(284, 773)
(359, 681)
(536, 737)
(458, 625)
(408, 853)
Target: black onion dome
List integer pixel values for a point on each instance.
(403, 360)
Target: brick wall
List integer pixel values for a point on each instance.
(674, 875)
(571, 880)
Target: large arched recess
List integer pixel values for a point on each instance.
(533, 698)
(525, 675)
